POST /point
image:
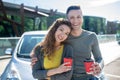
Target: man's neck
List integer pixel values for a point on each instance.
(77, 32)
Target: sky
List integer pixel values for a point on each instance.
(109, 9)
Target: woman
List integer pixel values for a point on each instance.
(51, 53)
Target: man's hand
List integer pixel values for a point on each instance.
(33, 58)
(96, 69)
(61, 69)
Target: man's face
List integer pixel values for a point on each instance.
(76, 18)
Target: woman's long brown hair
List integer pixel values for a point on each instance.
(48, 44)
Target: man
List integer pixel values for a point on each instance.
(85, 45)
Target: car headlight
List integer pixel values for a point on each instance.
(13, 73)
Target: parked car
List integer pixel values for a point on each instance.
(19, 67)
(8, 51)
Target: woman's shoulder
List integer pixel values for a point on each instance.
(37, 49)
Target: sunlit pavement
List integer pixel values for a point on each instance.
(110, 51)
(3, 62)
(112, 70)
(111, 55)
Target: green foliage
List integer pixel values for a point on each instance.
(1, 28)
(28, 24)
(91, 23)
(51, 19)
(43, 25)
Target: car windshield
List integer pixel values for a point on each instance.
(27, 44)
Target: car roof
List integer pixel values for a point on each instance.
(34, 32)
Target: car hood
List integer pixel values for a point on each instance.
(23, 68)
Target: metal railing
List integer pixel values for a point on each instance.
(11, 42)
(106, 38)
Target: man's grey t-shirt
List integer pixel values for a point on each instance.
(84, 46)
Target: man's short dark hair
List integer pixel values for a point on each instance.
(73, 7)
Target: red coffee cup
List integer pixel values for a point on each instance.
(88, 65)
(70, 60)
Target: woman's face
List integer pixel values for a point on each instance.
(62, 33)
(76, 18)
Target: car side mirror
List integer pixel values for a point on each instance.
(8, 51)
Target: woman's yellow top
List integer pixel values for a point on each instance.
(55, 60)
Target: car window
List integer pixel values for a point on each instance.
(27, 44)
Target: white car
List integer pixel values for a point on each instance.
(19, 67)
